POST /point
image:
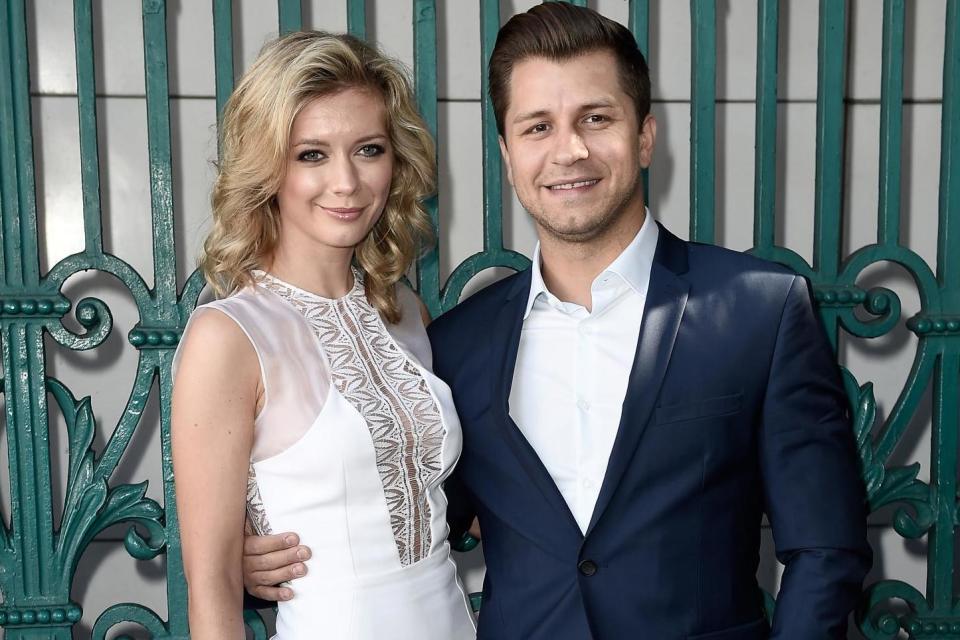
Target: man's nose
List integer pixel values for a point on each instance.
(570, 147)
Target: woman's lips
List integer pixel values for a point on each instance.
(344, 213)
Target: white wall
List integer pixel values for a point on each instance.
(107, 574)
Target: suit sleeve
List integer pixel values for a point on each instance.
(460, 509)
(813, 493)
(253, 602)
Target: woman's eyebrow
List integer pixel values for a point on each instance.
(316, 142)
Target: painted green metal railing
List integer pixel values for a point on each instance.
(38, 561)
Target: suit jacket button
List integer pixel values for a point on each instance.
(587, 567)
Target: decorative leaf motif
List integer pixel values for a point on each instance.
(126, 503)
(91, 505)
(887, 485)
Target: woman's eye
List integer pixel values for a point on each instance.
(370, 150)
(310, 156)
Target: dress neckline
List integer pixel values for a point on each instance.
(261, 276)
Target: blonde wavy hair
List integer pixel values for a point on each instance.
(289, 73)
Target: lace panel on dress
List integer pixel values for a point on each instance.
(388, 390)
(255, 510)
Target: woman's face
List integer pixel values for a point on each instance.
(339, 169)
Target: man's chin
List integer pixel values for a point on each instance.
(575, 233)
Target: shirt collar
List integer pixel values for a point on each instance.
(632, 265)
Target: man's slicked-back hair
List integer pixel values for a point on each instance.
(560, 31)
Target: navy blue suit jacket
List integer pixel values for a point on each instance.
(734, 408)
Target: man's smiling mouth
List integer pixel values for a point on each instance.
(565, 186)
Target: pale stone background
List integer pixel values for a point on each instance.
(107, 574)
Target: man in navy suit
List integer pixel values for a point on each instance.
(633, 403)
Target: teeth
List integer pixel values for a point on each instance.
(573, 185)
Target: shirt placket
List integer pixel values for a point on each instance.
(588, 463)
(585, 366)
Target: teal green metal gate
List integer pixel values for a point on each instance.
(38, 560)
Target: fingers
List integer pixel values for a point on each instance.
(254, 545)
(253, 580)
(273, 594)
(274, 561)
(271, 560)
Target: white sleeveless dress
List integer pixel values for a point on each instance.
(351, 446)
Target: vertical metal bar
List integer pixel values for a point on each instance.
(290, 15)
(639, 19)
(891, 122)
(831, 61)
(20, 252)
(946, 409)
(164, 310)
(158, 144)
(639, 23)
(943, 478)
(357, 18)
(492, 163)
(223, 52)
(87, 108)
(765, 154)
(26, 187)
(948, 248)
(177, 596)
(9, 205)
(16, 468)
(30, 550)
(425, 71)
(703, 120)
(31, 519)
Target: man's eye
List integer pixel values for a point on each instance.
(540, 127)
(595, 119)
(371, 150)
(310, 156)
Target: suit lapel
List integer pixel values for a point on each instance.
(503, 354)
(666, 300)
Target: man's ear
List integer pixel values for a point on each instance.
(506, 158)
(648, 138)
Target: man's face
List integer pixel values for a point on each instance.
(573, 147)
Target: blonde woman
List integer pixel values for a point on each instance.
(303, 397)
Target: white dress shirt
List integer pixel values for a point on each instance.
(572, 369)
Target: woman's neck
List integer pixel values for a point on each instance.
(328, 275)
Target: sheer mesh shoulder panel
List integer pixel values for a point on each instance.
(296, 379)
(410, 333)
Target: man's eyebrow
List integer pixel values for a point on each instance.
(599, 104)
(530, 115)
(542, 113)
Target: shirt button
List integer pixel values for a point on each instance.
(587, 483)
(583, 404)
(587, 567)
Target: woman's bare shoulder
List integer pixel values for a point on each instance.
(216, 342)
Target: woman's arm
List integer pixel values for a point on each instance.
(215, 397)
